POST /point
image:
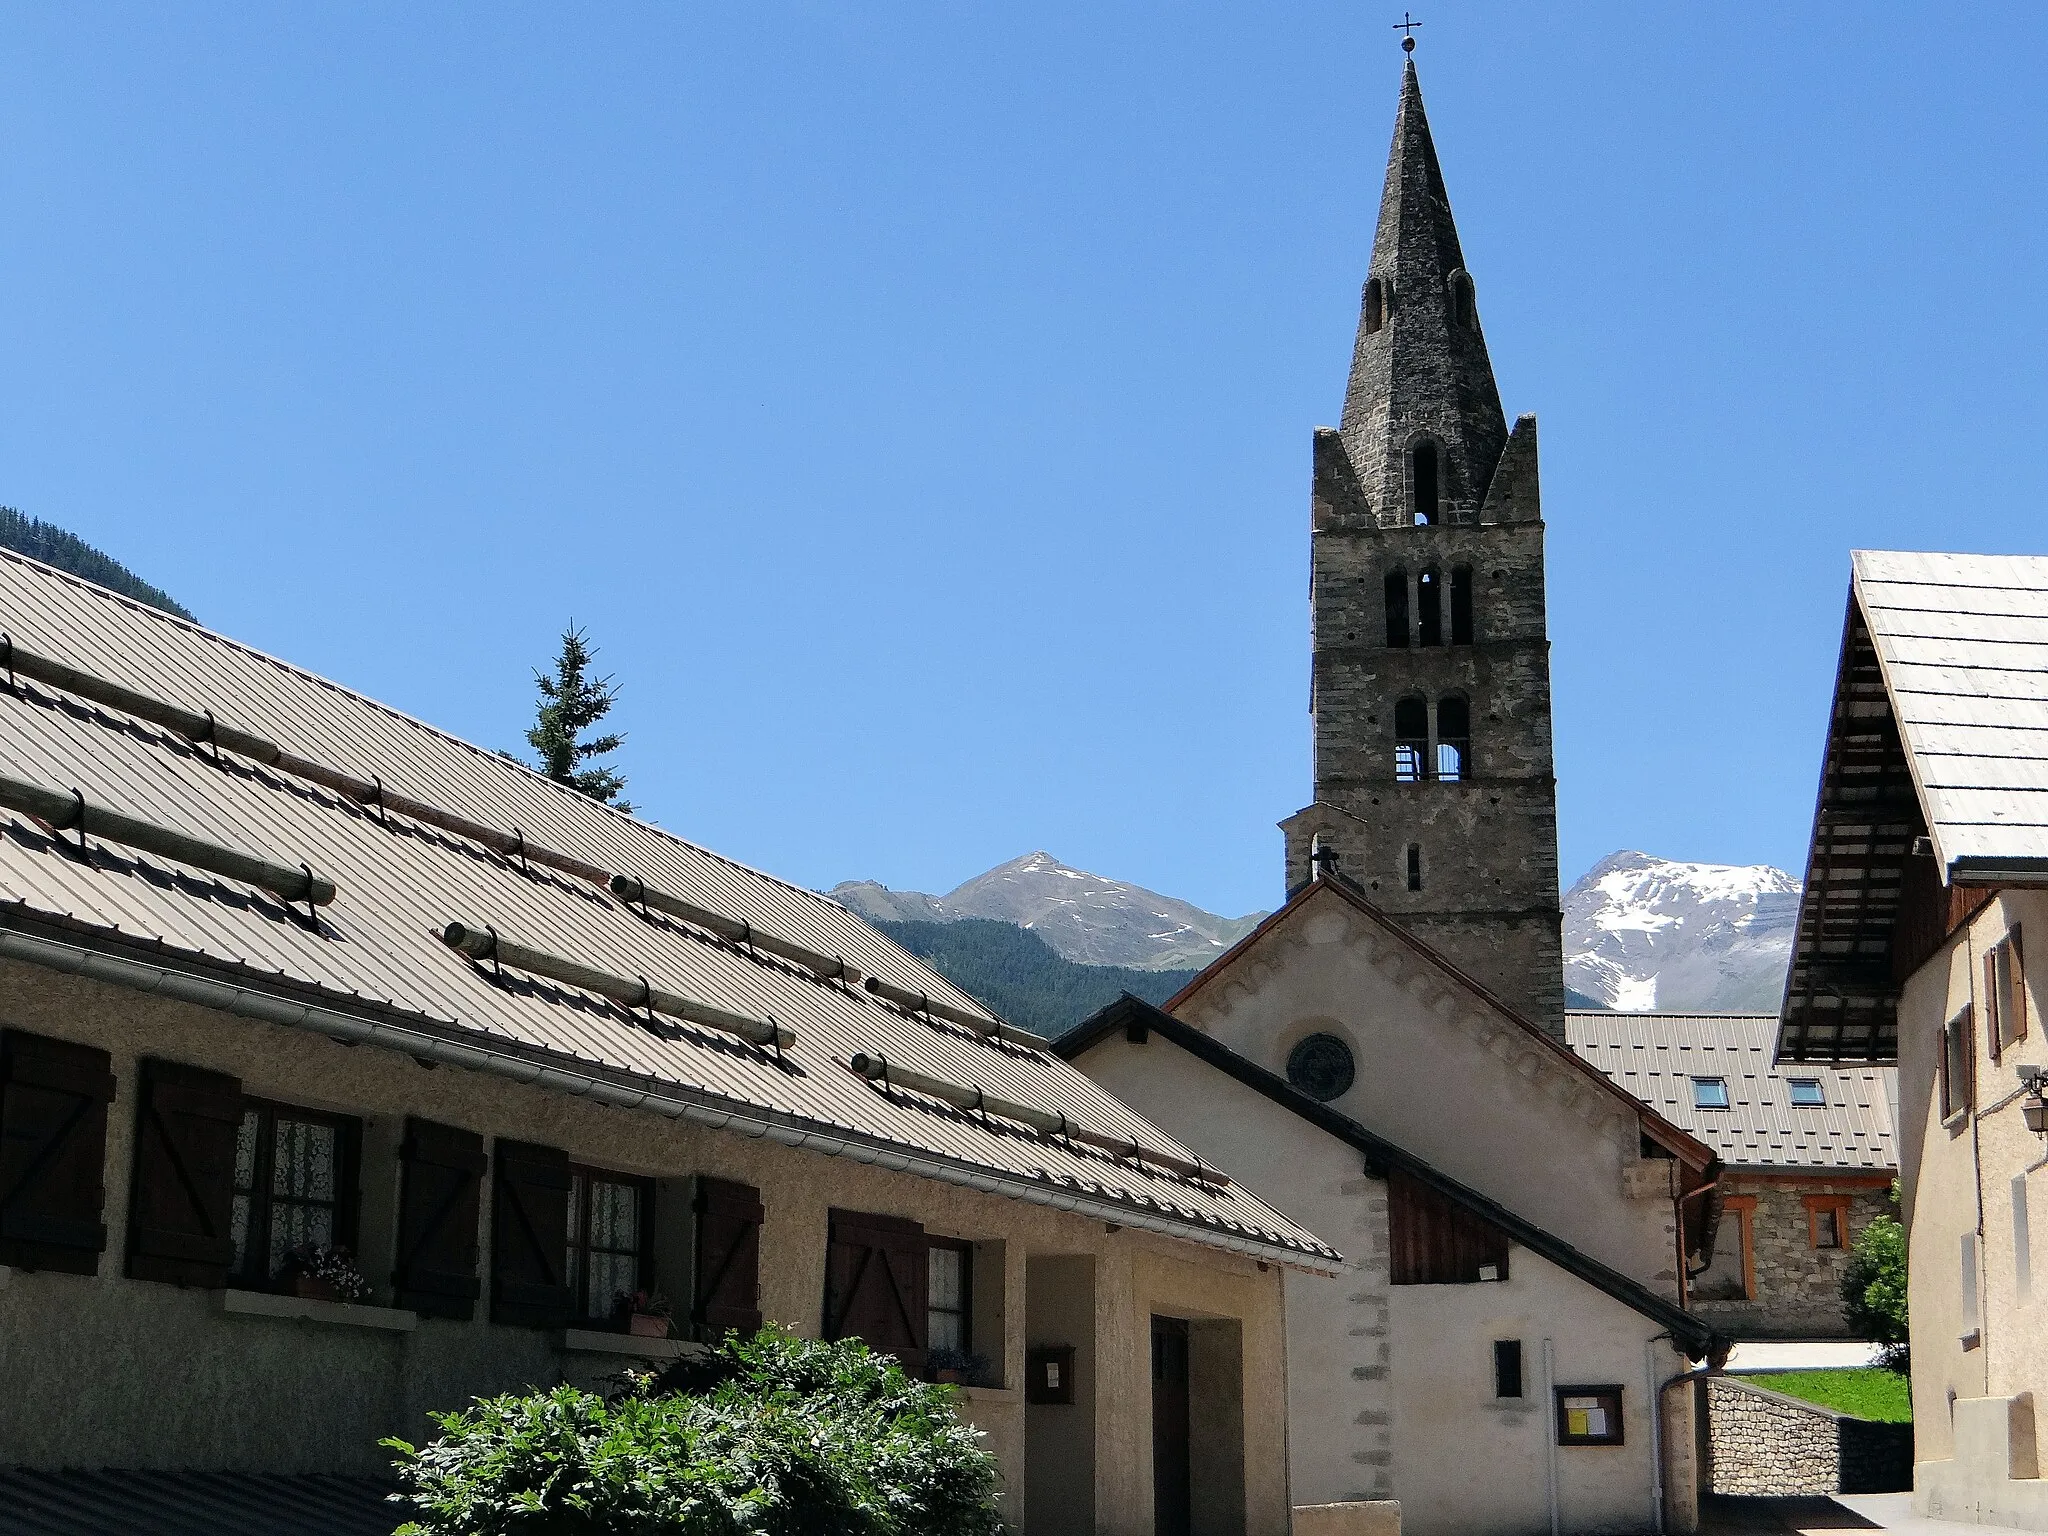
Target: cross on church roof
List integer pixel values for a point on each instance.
(1406, 27)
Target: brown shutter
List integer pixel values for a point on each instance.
(530, 1236)
(1994, 1022)
(2019, 986)
(53, 1152)
(435, 1273)
(875, 1284)
(728, 1270)
(184, 1175)
(1435, 1241)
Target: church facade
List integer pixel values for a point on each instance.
(1508, 1348)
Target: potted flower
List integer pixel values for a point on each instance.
(955, 1367)
(323, 1272)
(644, 1314)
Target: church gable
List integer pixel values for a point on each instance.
(1335, 997)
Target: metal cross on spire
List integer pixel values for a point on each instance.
(1406, 27)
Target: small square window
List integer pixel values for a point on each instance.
(1807, 1094)
(1507, 1368)
(1710, 1093)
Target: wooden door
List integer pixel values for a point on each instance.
(1172, 1500)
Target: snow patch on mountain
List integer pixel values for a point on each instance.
(1646, 933)
(1087, 918)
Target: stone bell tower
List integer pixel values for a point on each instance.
(1434, 791)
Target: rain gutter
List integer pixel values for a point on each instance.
(747, 1120)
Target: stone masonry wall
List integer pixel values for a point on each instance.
(1762, 1442)
(1798, 1286)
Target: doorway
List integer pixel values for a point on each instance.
(1172, 1480)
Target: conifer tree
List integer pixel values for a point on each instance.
(571, 702)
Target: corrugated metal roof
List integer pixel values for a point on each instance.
(400, 883)
(124, 1503)
(1656, 1056)
(1963, 644)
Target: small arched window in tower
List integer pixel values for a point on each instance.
(1429, 603)
(1423, 481)
(1464, 308)
(1453, 738)
(1375, 305)
(1461, 605)
(1411, 739)
(1415, 866)
(1397, 608)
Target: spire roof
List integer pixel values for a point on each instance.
(1420, 368)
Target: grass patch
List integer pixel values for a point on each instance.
(1867, 1392)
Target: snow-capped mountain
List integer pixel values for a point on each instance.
(1643, 933)
(1084, 917)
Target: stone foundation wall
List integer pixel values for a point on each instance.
(1762, 1442)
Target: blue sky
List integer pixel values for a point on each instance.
(914, 401)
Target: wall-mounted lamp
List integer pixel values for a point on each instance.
(2035, 1106)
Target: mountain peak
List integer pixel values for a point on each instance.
(1085, 917)
(1642, 932)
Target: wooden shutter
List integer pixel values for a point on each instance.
(530, 1236)
(1435, 1241)
(435, 1273)
(53, 1152)
(875, 1284)
(728, 1268)
(2019, 985)
(1994, 1021)
(184, 1175)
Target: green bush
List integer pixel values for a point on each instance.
(773, 1436)
(1874, 1287)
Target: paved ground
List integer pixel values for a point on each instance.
(1722, 1515)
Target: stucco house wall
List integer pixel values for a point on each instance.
(105, 1370)
(1391, 1387)
(1447, 1077)
(1970, 1176)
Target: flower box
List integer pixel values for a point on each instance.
(648, 1325)
(312, 1288)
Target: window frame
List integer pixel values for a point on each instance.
(2005, 994)
(246, 1274)
(577, 1249)
(965, 1248)
(1411, 748)
(1816, 1207)
(1425, 449)
(1958, 1055)
(1701, 1082)
(1794, 1084)
(1504, 1352)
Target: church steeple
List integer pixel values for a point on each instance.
(1422, 421)
(1431, 683)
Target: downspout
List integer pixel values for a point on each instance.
(1656, 1430)
(1550, 1420)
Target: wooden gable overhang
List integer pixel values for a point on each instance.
(1874, 906)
